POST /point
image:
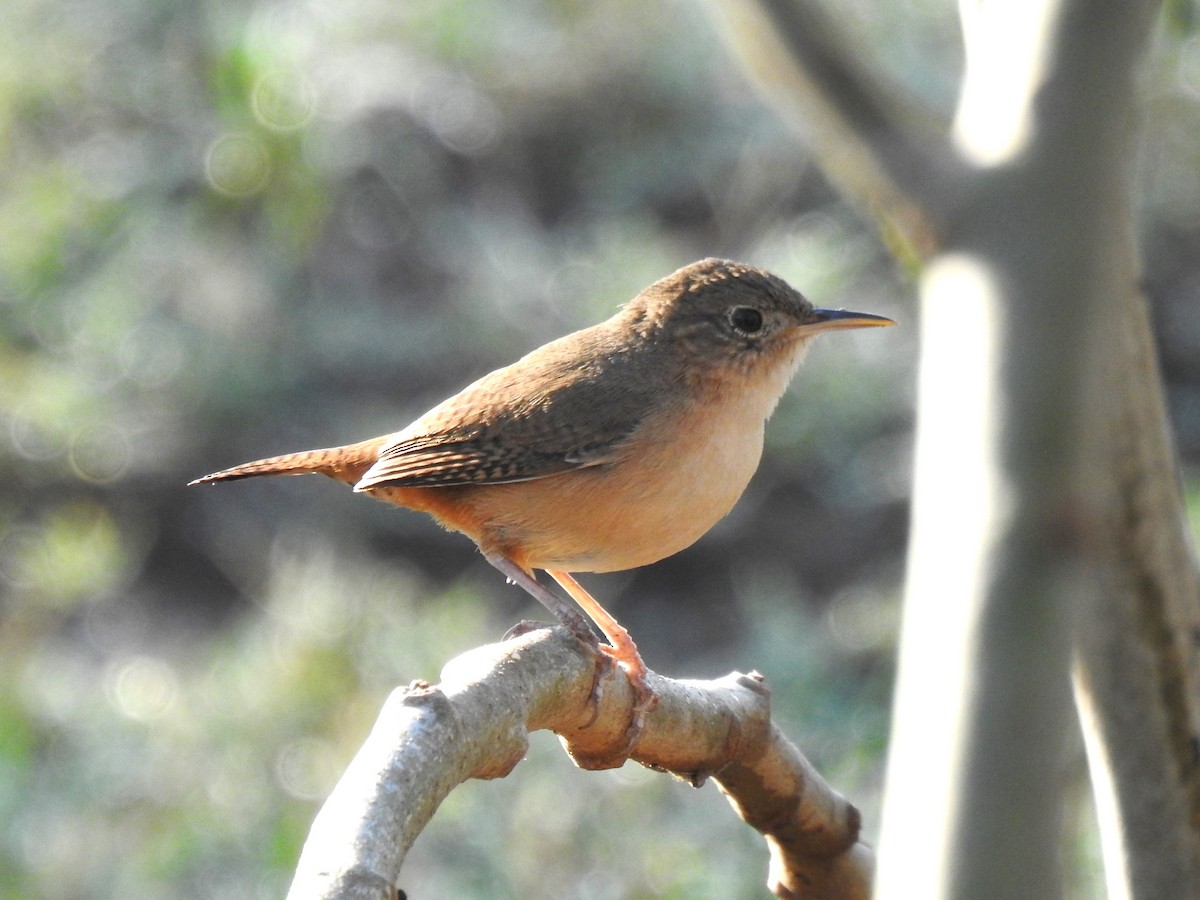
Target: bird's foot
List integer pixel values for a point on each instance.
(624, 652)
(604, 659)
(522, 628)
(644, 698)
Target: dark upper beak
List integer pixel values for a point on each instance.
(830, 319)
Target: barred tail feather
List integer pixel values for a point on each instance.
(343, 463)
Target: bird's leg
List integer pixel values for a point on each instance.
(624, 650)
(567, 615)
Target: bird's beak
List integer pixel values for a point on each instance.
(831, 319)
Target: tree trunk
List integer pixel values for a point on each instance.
(1048, 537)
(1047, 523)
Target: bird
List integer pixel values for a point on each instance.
(608, 449)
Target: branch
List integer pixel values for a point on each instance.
(879, 144)
(430, 738)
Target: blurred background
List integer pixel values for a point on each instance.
(233, 229)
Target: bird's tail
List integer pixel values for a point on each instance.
(342, 463)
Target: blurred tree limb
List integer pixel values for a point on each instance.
(429, 739)
(883, 148)
(1049, 541)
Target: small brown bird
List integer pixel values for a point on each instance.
(607, 449)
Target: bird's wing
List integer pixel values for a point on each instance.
(520, 423)
(442, 460)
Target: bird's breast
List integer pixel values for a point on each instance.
(680, 471)
(673, 481)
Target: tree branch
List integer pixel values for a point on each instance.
(429, 739)
(878, 143)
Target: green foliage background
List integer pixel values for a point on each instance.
(232, 229)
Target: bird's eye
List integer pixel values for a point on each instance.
(746, 319)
